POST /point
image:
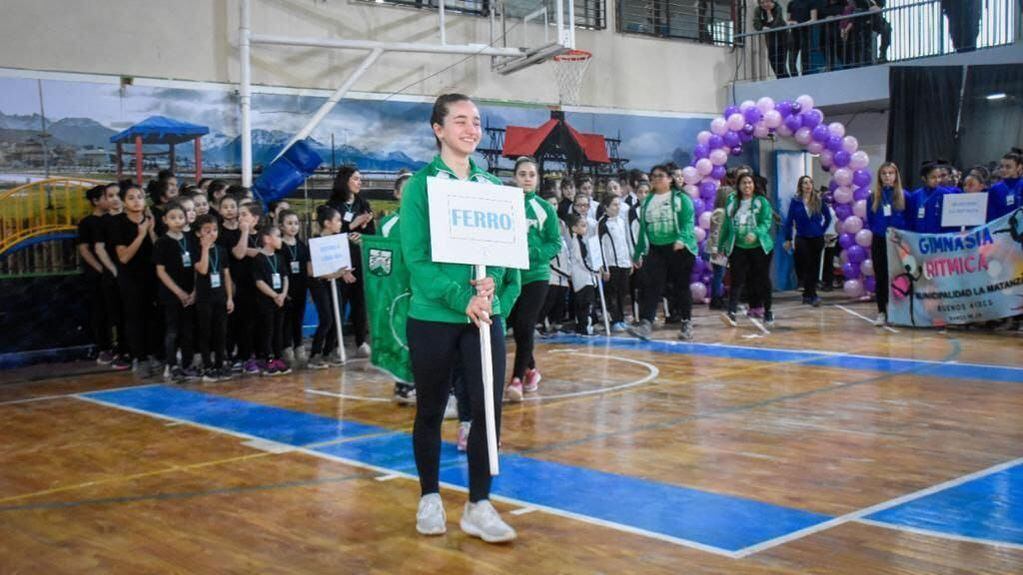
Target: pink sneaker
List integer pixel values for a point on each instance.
(513, 393)
(463, 435)
(532, 383)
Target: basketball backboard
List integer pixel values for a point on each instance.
(542, 29)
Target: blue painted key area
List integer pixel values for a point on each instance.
(723, 522)
(989, 507)
(774, 355)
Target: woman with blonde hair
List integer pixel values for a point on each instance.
(810, 220)
(887, 208)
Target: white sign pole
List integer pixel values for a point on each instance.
(337, 321)
(603, 304)
(487, 365)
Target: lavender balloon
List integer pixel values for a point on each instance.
(864, 237)
(852, 224)
(850, 144)
(730, 110)
(853, 288)
(867, 267)
(736, 122)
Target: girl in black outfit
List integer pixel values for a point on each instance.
(325, 337)
(356, 220)
(136, 278)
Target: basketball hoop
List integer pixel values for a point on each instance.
(569, 69)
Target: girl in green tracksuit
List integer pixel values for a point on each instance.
(745, 238)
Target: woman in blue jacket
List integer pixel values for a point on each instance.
(810, 219)
(887, 209)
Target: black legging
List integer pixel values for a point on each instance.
(242, 329)
(616, 289)
(114, 317)
(809, 252)
(354, 296)
(879, 256)
(138, 300)
(294, 313)
(554, 307)
(434, 347)
(754, 266)
(661, 265)
(269, 328)
(777, 53)
(212, 332)
(523, 323)
(325, 337)
(179, 327)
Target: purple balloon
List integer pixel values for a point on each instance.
(784, 108)
(833, 143)
(708, 189)
(719, 172)
(701, 151)
(820, 133)
(737, 150)
(715, 142)
(753, 115)
(731, 110)
(850, 270)
(861, 178)
(698, 206)
(870, 284)
(698, 267)
(812, 119)
(745, 136)
(861, 193)
(794, 122)
(833, 185)
(846, 241)
(730, 139)
(748, 130)
(843, 211)
(841, 159)
(856, 255)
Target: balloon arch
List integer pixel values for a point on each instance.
(839, 154)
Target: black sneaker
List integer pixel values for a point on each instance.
(686, 334)
(769, 318)
(120, 363)
(404, 394)
(729, 318)
(210, 375)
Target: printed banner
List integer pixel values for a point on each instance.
(957, 278)
(387, 302)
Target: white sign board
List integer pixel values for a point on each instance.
(477, 223)
(330, 254)
(959, 210)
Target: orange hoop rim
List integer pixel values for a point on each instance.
(573, 56)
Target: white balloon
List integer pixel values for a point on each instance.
(736, 122)
(765, 104)
(783, 131)
(850, 144)
(719, 126)
(747, 104)
(803, 135)
(859, 160)
(805, 103)
(703, 137)
(772, 119)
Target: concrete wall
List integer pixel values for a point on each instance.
(195, 40)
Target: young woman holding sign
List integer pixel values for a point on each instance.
(446, 311)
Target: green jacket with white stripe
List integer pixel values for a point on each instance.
(544, 239)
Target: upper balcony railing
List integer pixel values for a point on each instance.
(903, 30)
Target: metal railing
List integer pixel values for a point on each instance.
(589, 14)
(705, 21)
(904, 30)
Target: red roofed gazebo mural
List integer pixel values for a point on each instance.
(163, 131)
(555, 141)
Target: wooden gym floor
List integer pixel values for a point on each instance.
(826, 446)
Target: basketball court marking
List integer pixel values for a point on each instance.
(68, 395)
(942, 535)
(865, 318)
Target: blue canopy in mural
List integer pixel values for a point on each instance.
(161, 130)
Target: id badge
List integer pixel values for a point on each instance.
(294, 268)
(743, 219)
(349, 216)
(887, 211)
(186, 259)
(215, 280)
(921, 213)
(275, 281)
(1010, 200)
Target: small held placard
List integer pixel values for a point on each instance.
(968, 210)
(477, 223)
(329, 254)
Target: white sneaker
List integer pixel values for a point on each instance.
(451, 410)
(882, 318)
(302, 355)
(430, 519)
(482, 520)
(289, 355)
(363, 351)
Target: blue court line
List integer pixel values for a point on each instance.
(714, 522)
(984, 372)
(989, 508)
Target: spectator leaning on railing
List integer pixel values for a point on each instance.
(769, 15)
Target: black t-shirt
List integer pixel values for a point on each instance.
(89, 232)
(799, 10)
(297, 258)
(357, 207)
(241, 272)
(264, 268)
(219, 260)
(178, 258)
(158, 213)
(124, 232)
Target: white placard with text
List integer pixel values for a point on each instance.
(964, 210)
(477, 223)
(330, 254)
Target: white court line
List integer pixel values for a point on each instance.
(861, 513)
(939, 534)
(346, 396)
(387, 477)
(399, 474)
(654, 373)
(523, 511)
(759, 325)
(71, 395)
(865, 318)
(268, 446)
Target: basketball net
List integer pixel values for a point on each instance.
(569, 69)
